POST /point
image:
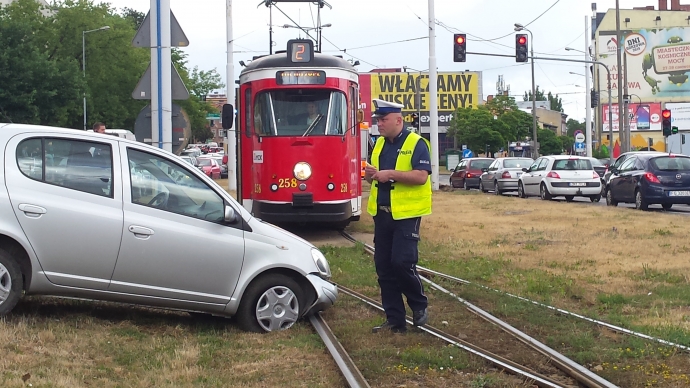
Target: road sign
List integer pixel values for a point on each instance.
(143, 36)
(213, 116)
(577, 131)
(580, 138)
(464, 147)
(178, 89)
(579, 147)
(467, 153)
(181, 128)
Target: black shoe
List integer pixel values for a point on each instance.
(387, 326)
(420, 318)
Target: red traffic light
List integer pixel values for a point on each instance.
(460, 39)
(522, 40)
(666, 113)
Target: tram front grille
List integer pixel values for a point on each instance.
(302, 200)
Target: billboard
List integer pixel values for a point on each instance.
(658, 62)
(680, 115)
(643, 117)
(455, 90)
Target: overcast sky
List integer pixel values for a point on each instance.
(359, 23)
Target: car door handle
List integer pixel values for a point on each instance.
(140, 231)
(32, 210)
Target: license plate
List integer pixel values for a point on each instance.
(577, 184)
(684, 193)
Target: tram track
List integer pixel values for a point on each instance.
(570, 368)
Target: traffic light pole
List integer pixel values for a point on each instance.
(576, 61)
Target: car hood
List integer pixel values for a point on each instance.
(271, 231)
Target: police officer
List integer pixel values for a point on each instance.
(400, 195)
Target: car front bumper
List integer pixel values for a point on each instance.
(326, 293)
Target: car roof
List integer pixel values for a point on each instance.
(561, 157)
(23, 128)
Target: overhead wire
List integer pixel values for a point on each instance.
(525, 25)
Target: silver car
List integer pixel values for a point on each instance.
(502, 175)
(95, 216)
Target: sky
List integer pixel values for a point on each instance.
(398, 31)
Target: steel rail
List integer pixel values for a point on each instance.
(568, 366)
(348, 368)
(539, 380)
(607, 325)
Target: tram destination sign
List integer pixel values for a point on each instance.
(301, 77)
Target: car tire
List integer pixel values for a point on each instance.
(497, 191)
(481, 187)
(464, 184)
(521, 190)
(640, 203)
(271, 302)
(595, 198)
(11, 282)
(450, 182)
(544, 192)
(609, 199)
(569, 198)
(667, 206)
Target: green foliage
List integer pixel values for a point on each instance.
(549, 143)
(600, 153)
(555, 102)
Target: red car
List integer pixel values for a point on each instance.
(210, 167)
(468, 172)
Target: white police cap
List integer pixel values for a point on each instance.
(384, 107)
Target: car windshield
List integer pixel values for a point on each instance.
(517, 163)
(479, 164)
(300, 112)
(204, 161)
(670, 163)
(596, 163)
(572, 164)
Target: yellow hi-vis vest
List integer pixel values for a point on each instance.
(407, 201)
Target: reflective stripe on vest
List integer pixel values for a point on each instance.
(407, 201)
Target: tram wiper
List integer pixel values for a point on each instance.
(313, 125)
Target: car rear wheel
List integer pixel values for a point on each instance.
(640, 203)
(11, 282)
(544, 192)
(272, 302)
(609, 199)
(521, 191)
(497, 191)
(667, 206)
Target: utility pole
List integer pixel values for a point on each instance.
(433, 97)
(588, 96)
(231, 134)
(621, 112)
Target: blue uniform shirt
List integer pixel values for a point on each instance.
(421, 160)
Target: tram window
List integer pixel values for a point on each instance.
(248, 112)
(300, 112)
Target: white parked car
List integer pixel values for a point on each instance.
(560, 176)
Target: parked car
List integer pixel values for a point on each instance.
(600, 168)
(210, 166)
(120, 231)
(466, 174)
(560, 175)
(620, 160)
(223, 166)
(646, 179)
(502, 175)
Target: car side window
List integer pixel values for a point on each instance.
(542, 164)
(534, 165)
(74, 164)
(163, 184)
(617, 164)
(628, 165)
(494, 165)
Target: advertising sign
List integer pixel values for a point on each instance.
(643, 117)
(680, 115)
(658, 62)
(455, 90)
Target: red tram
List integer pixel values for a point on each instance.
(299, 139)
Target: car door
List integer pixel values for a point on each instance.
(455, 176)
(68, 199)
(627, 183)
(488, 176)
(174, 241)
(617, 181)
(533, 178)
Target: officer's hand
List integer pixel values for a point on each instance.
(370, 170)
(384, 175)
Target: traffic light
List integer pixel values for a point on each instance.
(415, 121)
(674, 130)
(459, 48)
(521, 47)
(666, 122)
(595, 99)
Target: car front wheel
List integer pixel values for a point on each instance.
(481, 187)
(521, 190)
(609, 199)
(640, 203)
(11, 282)
(272, 302)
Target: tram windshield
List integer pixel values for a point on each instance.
(300, 112)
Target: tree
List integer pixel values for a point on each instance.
(573, 125)
(567, 142)
(500, 105)
(549, 143)
(554, 101)
(520, 124)
(476, 128)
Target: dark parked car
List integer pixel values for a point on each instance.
(646, 179)
(620, 160)
(466, 174)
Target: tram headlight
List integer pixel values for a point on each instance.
(302, 171)
(330, 186)
(274, 187)
(321, 263)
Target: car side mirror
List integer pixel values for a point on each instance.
(230, 215)
(485, 170)
(228, 116)
(525, 169)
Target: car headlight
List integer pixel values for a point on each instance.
(302, 171)
(321, 264)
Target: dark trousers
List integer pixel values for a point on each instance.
(396, 265)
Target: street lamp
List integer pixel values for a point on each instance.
(83, 61)
(520, 27)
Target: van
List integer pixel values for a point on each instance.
(101, 217)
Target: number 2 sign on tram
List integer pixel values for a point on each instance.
(300, 147)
